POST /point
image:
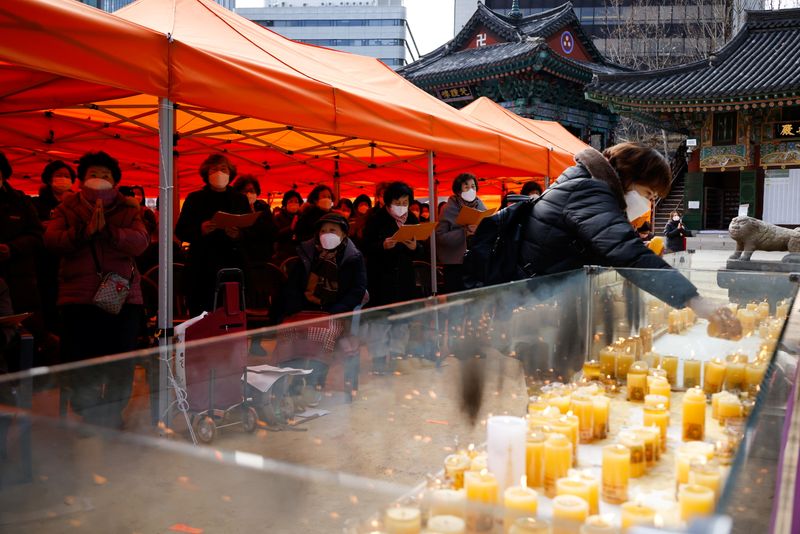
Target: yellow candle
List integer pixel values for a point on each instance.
(695, 501)
(693, 411)
(583, 409)
(573, 485)
(530, 525)
(636, 514)
(658, 416)
(481, 487)
(572, 422)
(594, 488)
(748, 319)
(403, 520)
(624, 361)
(557, 461)
(762, 312)
(591, 370)
(637, 381)
(714, 376)
(729, 406)
(652, 444)
(479, 462)
(599, 524)
(635, 444)
(652, 359)
(654, 400)
(691, 373)
(646, 334)
(561, 402)
(454, 467)
(569, 511)
(686, 454)
(448, 502)
(752, 306)
(600, 407)
(675, 322)
(534, 459)
(519, 501)
(658, 386)
(670, 365)
(446, 524)
(735, 372)
(706, 474)
(782, 309)
(754, 375)
(536, 404)
(616, 472)
(715, 403)
(608, 362)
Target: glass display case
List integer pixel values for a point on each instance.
(379, 420)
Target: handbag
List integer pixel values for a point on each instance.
(113, 291)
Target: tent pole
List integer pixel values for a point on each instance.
(166, 129)
(432, 200)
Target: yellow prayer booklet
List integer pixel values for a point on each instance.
(228, 220)
(468, 216)
(420, 232)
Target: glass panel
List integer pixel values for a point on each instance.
(387, 394)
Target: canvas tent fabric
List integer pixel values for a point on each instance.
(292, 113)
(561, 144)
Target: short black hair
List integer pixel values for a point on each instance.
(362, 198)
(346, 202)
(126, 191)
(99, 159)
(290, 194)
(5, 167)
(245, 180)
(531, 187)
(216, 159)
(313, 196)
(396, 190)
(645, 227)
(51, 168)
(461, 179)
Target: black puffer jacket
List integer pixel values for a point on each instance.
(582, 221)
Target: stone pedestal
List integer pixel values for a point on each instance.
(745, 280)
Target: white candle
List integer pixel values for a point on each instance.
(448, 502)
(446, 524)
(403, 520)
(505, 444)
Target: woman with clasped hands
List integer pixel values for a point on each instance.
(210, 248)
(98, 231)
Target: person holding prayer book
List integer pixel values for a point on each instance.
(210, 248)
(390, 263)
(451, 238)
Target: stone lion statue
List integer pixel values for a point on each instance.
(753, 234)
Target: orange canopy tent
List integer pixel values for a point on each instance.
(561, 144)
(288, 112)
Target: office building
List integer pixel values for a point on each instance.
(375, 28)
(113, 5)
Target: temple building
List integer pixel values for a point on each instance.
(537, 66)
(740, 109)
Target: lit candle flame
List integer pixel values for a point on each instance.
(658, 521)
(523, 481)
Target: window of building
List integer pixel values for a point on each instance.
(724, 128)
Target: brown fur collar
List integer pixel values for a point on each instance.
(600, 169)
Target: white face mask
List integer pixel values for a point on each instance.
(325, 203)
(330, 241)
(398, 211)
(251, 198)
(98, 184)
(61, 184)
(637, 205)
(218, 180)
(676, 218)
(469, 195)
(292, 208)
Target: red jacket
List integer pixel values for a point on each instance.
(123, 238)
